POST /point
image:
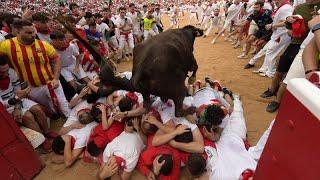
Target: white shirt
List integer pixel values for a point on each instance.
(68, 56)
(73, 118)
(229, 159)
(127, 146)
(120, 22)
(82, 135)
(134, 18)
(2, 38)
(9, 93)
(282, 13)
(233, 12)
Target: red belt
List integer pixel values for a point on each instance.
(126, 34)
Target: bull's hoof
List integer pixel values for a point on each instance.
(191, 80)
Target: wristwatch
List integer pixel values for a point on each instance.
(315, 28)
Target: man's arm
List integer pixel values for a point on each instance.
(70, 156)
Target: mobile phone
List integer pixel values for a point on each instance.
(24, 85)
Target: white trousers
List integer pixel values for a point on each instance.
(148, 33)
(193, 15)
(256, 151)
(271, 50)
(123, 41)
(42, 96)
(205, 22)
(211, 25)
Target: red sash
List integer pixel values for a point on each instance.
(54, 99)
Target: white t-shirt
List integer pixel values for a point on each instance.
(68, 56)
(205, 96)
(233, 12)
(184, 121)
(282, 13)
(127, 146)
(229, 159)
(82, 135)
(120, 22)
(134, 18)
(73, 118)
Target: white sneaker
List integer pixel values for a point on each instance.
(213, 41)
(262, 74)
(243, 56)
(234, 42)
(256, 71)
(237, 45)
(222, 34)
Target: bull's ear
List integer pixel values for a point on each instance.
(199, 32)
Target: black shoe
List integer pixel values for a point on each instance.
(248, 66)
(273, 106)
(267, 94)
(227, 91)
(209, 81)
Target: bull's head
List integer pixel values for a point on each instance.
(192, 32)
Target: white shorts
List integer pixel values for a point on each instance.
(68, 73)
(296, 69)
(253, 28)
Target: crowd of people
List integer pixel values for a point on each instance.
(46, 73)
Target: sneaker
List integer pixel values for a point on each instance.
(262, 74)
(234, 42)
(243, 56)
(267, 94)
(237, 45)
(248, 66)
(272, 107)
(221, 34)
(213, 41)
(257, 71)
(226, 38)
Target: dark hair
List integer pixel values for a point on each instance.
(93, 97)
(214, 115)
(19, 23)
(92, 24)
(186, 137)
(131, 5)
(259, 2)
(125, 104)
(152, 128)
(57, 35)
(4, 59)
(88, 15)
(93, 149)
(98, 15)
(85, 118)
(72, 6)
(107, 9)
(70, 19)
(144, 6)
(167, 166)
(8, 18)
(122, 8)
(40, 17)
(58, 145)
(196, 164)
(95, 112)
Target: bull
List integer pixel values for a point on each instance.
(160, 66)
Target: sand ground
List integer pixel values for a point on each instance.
(219, 62)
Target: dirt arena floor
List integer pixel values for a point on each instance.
(220, 62)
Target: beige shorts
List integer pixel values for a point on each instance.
(253, 28)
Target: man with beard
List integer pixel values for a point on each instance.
(261, 17)
(37, 63)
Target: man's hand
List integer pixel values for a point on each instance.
(110, 169)
(314, 21)
(157, 166)
(208, 135)
(291, 19)
(54, 83)
(102, 108)
(136, 124)
(118, 116)
(23, 93)
(83, 92)
(17, 114)
(268, 26)
(150, 120)
(181, 129)
(151, 176)
(76, 70)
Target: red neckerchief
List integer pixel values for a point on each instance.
(6, 29)
(298, 28)
(4, 83)
(275, 11)
(65, 46)
(133, 97)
